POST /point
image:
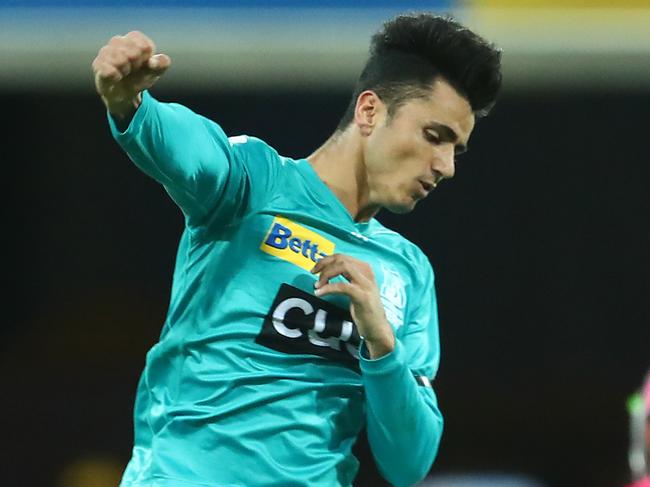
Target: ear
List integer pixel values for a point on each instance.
(367, 111)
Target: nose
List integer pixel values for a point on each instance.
(444, 164)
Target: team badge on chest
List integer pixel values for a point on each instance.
(393, 295)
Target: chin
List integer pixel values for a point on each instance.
(401, 208)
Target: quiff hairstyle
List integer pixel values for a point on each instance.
(411, 51)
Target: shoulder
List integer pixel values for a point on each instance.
(253, 147)
(399, 243)
(265, 171)
(258, 156)
(259, 160)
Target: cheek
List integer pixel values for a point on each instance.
(414, 154)
(392, 149)
(405, 149)
(402, 161)
(395, 162)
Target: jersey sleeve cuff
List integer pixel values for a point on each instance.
(136, 120)
(382, 365)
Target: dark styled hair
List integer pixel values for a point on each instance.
(411, 51)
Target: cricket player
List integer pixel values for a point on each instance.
(296, 318)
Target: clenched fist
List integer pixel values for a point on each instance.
(125, 67)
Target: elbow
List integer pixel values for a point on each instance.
(415, 466)
(412, 472)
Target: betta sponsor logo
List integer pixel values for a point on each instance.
(295, 243)
(301, 323)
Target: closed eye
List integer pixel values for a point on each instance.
(432, 137)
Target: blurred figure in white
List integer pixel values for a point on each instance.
(639, 453)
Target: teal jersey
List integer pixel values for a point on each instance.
(255, 380)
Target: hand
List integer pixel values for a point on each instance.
(366, 307)
(125, 67)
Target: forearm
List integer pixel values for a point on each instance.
(178, 148)
(158, 138)
(141, 135)
(404, 423)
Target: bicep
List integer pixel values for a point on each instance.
(190, 157)
(185, 152)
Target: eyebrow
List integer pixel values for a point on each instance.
(447, 133)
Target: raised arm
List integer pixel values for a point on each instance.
(185, 152)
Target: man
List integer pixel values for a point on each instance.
(296, 318)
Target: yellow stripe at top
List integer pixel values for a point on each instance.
(557, 4)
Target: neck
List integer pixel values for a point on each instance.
(340, 164)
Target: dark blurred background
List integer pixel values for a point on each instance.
(540, 245)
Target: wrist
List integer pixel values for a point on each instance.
(378, 347)
(123, 109)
